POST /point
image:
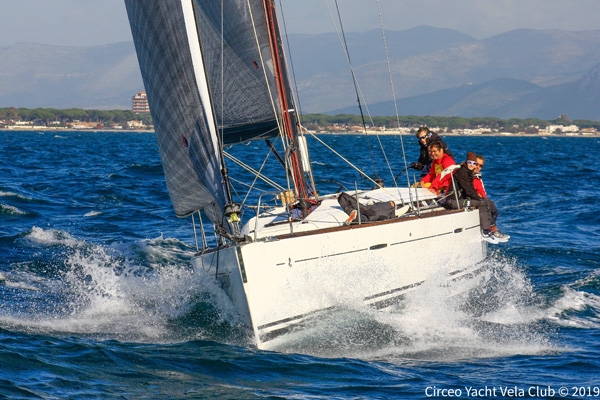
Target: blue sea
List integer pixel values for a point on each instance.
(98, 299)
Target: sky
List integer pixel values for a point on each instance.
(97, 22)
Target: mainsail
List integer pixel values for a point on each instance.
(208, 70)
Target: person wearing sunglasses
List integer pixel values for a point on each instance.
(480, 188)
(467, 197)
(425, 137)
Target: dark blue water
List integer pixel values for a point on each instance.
(97, 299)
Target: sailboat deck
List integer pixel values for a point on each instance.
(329, 214)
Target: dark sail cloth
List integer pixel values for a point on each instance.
(375, 212)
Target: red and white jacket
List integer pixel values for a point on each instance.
(433, 177)
(478, 185)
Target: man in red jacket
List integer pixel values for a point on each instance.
(433, 181)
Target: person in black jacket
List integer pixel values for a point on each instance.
(425, 136)
(468, 197)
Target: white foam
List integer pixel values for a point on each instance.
(125, 291)
(51, 237)
(134, 291)
(488, 316)
(572, 301)
(11, 210)
(12, 194)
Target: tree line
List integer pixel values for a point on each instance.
(43, 116)
(309, 120)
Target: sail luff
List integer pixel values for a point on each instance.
(204, 89)
(199, 69)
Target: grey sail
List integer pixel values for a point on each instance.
(201, 62)
(235, 44)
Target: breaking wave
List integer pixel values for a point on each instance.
(496, 314)
(145, 291)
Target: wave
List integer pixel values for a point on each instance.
(576, 309)
(146, 168)
(11, 210)
(144, 291)
(494, 315)
(15, 195)
(51, 237)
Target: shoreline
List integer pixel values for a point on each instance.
(495, 134)
(37, 129)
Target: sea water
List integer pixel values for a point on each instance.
(98, 300)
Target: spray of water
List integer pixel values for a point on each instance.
(148, 292)
(145, 291)
(494, 314)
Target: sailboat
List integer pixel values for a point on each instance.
(216, 75)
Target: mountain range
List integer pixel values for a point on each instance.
(521, 74)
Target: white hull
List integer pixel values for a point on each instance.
(278, 283)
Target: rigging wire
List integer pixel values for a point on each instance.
(295, 96)
(259, 173)
(328, 147)
(241, 183)
(342, 157)
(262, 177)
(387, 162)
(270, 90)
(354, 80)
(291, 64)
(387, 58)
(361, 95)
(222, 71)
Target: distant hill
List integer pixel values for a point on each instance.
(501, 98)
(578, 99)
(466, 101)
(522, 73)
(544, 58)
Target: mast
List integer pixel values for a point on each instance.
(290, 127)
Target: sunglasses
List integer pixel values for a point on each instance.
(422, 137)
(472, 162)
(480, 165)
